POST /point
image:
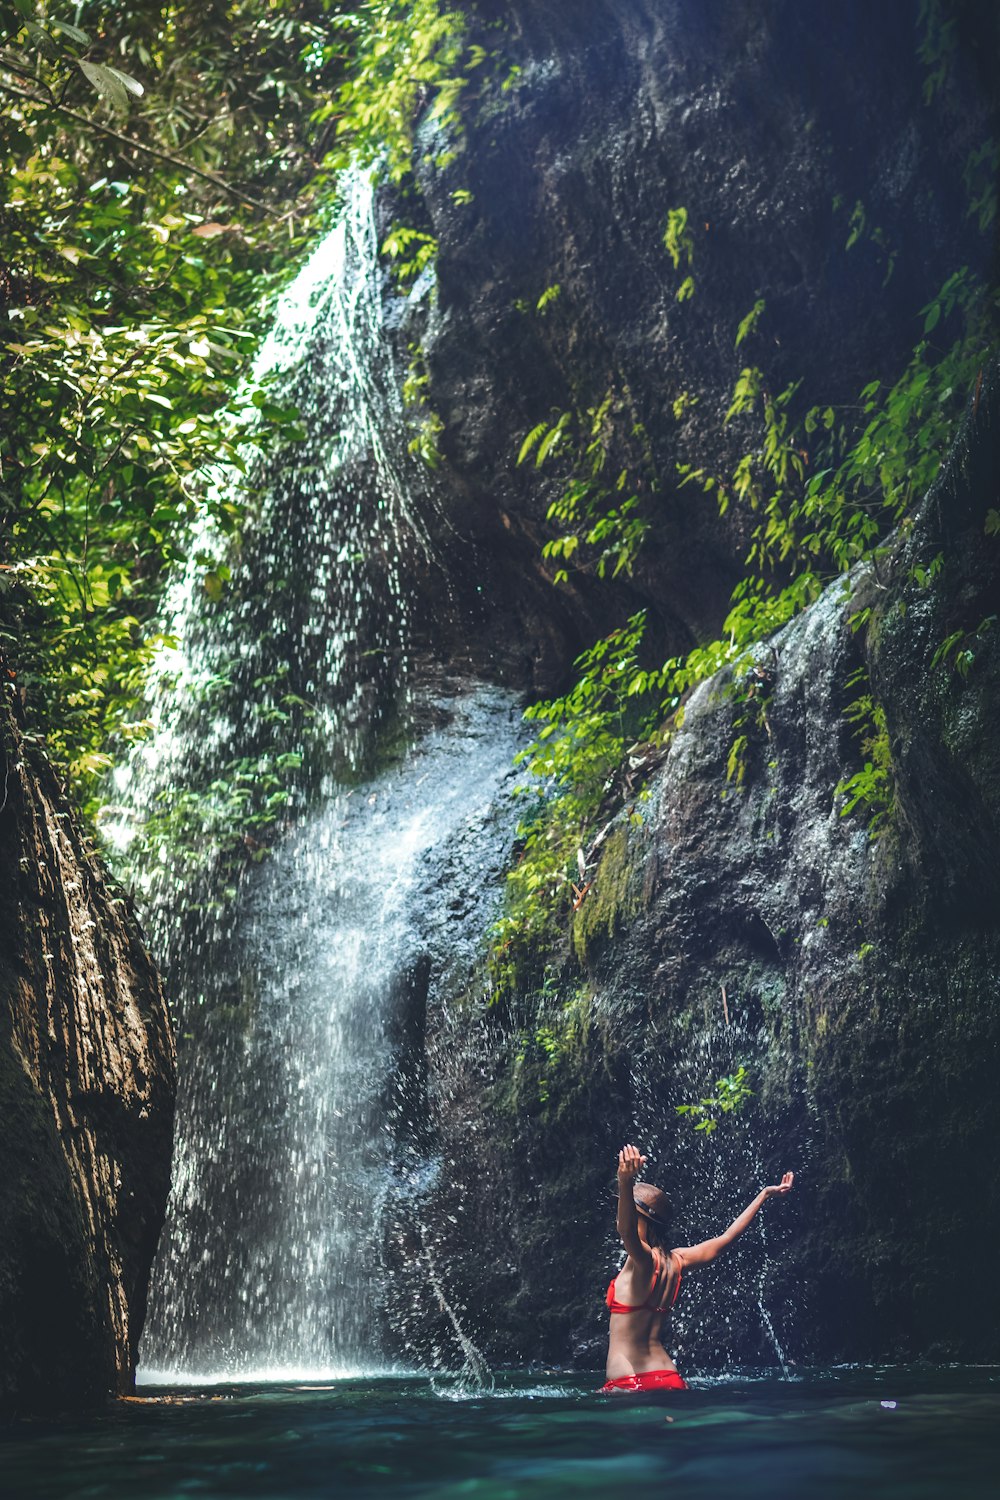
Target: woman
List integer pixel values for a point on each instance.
(649, 1283)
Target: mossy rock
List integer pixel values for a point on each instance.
(614, 899)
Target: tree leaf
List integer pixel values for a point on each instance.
(127, 81)
(107, 85)
(73, 32)
(41, 39)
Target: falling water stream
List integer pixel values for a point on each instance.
(292, 976)
(287, 1140)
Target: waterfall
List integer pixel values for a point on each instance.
(302, 786)
(289, 1124)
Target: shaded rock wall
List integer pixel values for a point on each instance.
(727, 925)
(86, 1101)
(786, 132)
(855, 979)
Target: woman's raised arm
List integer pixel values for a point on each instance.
(701, 1255)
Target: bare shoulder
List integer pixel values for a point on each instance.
(689, 1257)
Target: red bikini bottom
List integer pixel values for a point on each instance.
(648, 1380)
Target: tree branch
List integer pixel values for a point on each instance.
(125, 140)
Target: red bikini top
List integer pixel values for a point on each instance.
(647, 1306)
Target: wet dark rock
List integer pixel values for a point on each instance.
(854, 977)
(772, 126)
(728, 923)
(86, 1099)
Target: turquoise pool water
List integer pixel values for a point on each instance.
(892, 1433)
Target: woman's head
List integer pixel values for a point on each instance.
(653, 1207)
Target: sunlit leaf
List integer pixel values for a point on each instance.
(107, 84)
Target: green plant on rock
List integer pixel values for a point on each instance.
(937, 44)
(544, 1043)
(752, 691)
(748, 325)
(400, 50)
(826, 493)
(980, 175)
(961, 647)
(826, 496)
(594, 510)
(411, 59)
(823, 486)
(581, 744)
(871, 788)
(409, 251)
(679, 245)
(552, 1044)
(424, 420)
(861, 231)
(729, 1097)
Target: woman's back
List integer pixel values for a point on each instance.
(638, 1305)
(648, 1284)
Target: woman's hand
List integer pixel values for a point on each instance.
(630, 1163)
(782, 1187)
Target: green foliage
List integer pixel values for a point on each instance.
(410, 252)
(549, 1049)
(871, 788)
(982, 170)
(938, 38)
(225, 819)
(594, 510)
(820, 513)
(215, 815)
(409, 55)
(752, 693)
(823, 487)
(961, 647)
(135, 279)
(401, 51)
(827, 492)
(677, 239)
(861, 231)
(167, 166)
(427, 425)
(572, 762)
(730, 1095)
(748, 325)
(547, 436)
(679, 245)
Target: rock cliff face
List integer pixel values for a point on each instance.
(730, 922)
(816, 181)
(86, 1099)
(854, 978)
